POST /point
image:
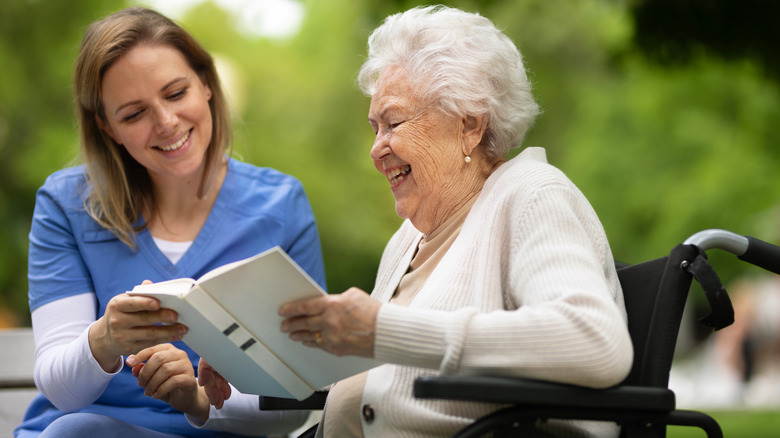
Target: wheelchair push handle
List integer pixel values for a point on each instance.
(746, 248)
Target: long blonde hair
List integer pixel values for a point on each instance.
(119, 187)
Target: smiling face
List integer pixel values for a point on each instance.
(420, 150)
(157, 107)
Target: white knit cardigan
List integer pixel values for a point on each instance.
(527, 289)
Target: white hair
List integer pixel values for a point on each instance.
(460, 62)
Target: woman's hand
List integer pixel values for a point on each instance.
(216, 387)
(340, 324)
(165, 372)
(129, 325)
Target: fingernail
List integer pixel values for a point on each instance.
(182, 330)
(169, 317)
(131, 361)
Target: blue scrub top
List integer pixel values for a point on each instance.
(71, 254)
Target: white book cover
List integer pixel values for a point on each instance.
(231, 314)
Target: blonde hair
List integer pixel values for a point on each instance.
(119, 188)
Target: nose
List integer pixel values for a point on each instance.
(165, 119)
(381, 146)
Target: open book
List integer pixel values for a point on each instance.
(231, 316)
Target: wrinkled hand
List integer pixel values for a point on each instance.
(129, 325)
(165, 372)
(216, 387)
(344, 323)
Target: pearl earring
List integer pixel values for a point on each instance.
(467, 159)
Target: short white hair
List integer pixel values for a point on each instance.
(460, 62)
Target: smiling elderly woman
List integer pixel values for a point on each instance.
(501, 267)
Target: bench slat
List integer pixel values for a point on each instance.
(18, 358)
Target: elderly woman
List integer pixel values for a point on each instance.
(501, 266)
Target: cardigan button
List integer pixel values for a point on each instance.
(368, 413)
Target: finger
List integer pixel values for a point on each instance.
(302, 324)
(308, 337)
(225, 388)
(216, 387)
(137, 369)
(215, 396)
(171, 365)
(130, 304)
(218, 393)
(138, 311)
(181, 383)
(143, 306)
(161, 316)
(170, 377)
(304, 307)
(139, 338)
(159, 333)
(138, 360)
(145, 354)
(205, 376)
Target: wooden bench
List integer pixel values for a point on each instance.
(17, 389)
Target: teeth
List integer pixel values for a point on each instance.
(397, 174)
(177, 145)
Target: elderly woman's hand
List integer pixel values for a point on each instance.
(340, 324)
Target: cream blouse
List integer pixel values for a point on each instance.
(341, 418)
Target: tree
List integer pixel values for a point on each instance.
(662, 149)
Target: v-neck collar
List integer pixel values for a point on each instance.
(206, 234)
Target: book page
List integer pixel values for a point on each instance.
(226, 267)
(176, 287)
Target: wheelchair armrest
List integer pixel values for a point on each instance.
(542, 394)
(315, 401)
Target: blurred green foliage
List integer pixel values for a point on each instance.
(661, 151)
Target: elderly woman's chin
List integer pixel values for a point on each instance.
(402, 209)
(405, 204)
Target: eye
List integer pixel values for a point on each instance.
(178, 94)
(132, 117)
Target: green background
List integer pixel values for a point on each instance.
(663, 113)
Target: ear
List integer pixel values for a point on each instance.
(106, 128)
(473, 131)
(206, 88)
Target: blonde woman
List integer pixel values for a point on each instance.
(156, 198)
